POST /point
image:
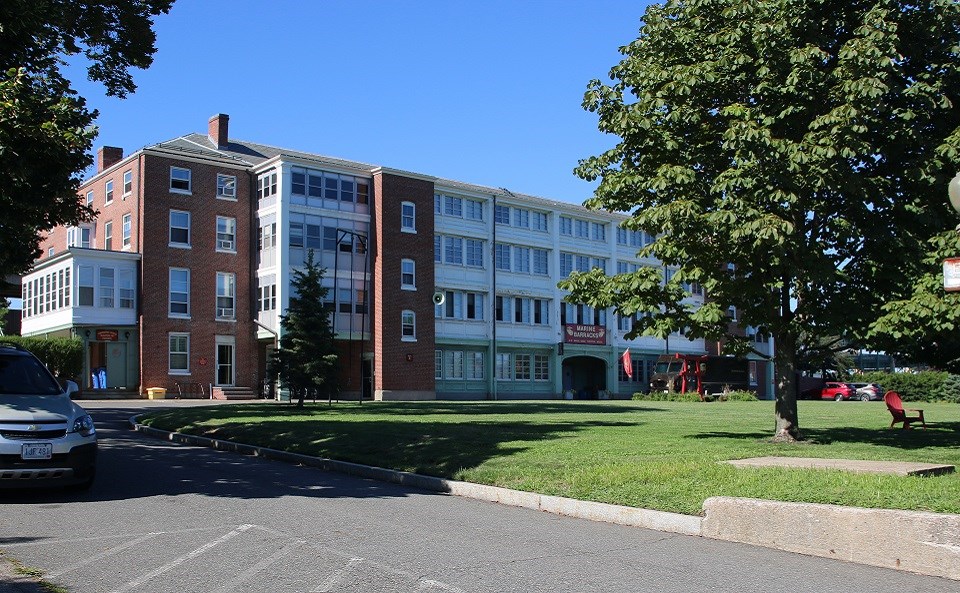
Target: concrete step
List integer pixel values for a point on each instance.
(234, 393)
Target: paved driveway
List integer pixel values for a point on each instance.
(171, 518)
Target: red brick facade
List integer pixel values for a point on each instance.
(402, 369)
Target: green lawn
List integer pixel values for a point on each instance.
(658, 455)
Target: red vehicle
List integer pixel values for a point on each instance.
(838, 391)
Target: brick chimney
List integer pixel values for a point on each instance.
(108, 156)
(217, 130)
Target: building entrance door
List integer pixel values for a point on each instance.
(225, 363)
(116, 365)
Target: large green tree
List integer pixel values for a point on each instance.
(923, 327)
(307, 359)
(791, 156)
(46, 130)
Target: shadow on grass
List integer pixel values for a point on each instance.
(937, 435)
(132, 466)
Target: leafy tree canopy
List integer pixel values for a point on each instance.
(46, 130)
(922, 327)
(307, 359)
(790, 156)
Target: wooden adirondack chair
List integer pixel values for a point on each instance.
(899, 413)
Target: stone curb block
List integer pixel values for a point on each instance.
(925, 543)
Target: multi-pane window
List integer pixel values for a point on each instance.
(226, 186)
(541, 367)
(541, 312)
(126, 290)
(180, 179)
(540, 261)
(179, 292)
(108, 192)
(408, 326)
(179, 228)
(474, 309)
(538, 221)
(408, 219)
(521, 366)
(521, 260)
(521, 218)
(581, 229)
(566, 226)
(453, 364)
(631, 238)
(503, 368)
(461, 305)
(566, 264)
(226, 233)
(453, 250)
(501, 214)
(179, 353)
(267, 185)
(84, 287)
(108, 235)
(437, 249)
(598, 231)
(438, 364)
(107, 280)
(408, 274)
(502, 308)
(126, 225)
(90, 198)
(474, 249)
(267, 236)
(475, 366)
(80, 236)
(474, 210)
(502, 257)
(453, 206)
(127, 182)
(267, 297)
(226, 295)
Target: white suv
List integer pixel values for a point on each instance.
(45, 438)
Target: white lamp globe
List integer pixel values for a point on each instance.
(954, 191)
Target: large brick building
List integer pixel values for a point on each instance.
(438, 289)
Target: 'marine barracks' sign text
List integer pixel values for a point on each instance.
(585, 334)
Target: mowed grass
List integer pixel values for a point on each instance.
(657, 455)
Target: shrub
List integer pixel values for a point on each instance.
(63, 356)
(739, 396)
(924, 386)
(951, 389)
(659, 396)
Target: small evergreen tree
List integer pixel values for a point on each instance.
(307, 358)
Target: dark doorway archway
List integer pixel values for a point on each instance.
(585, 376)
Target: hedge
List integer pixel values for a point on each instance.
(925, 386)
(63, 356)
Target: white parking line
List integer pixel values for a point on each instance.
(102, 555)
(177, 562)
(251, 572)
(334, 579)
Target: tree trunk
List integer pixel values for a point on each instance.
(785, 376)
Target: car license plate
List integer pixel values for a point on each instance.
(36, 451)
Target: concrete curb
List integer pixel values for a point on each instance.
(924, 543)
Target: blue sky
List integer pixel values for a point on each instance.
(481, 92)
